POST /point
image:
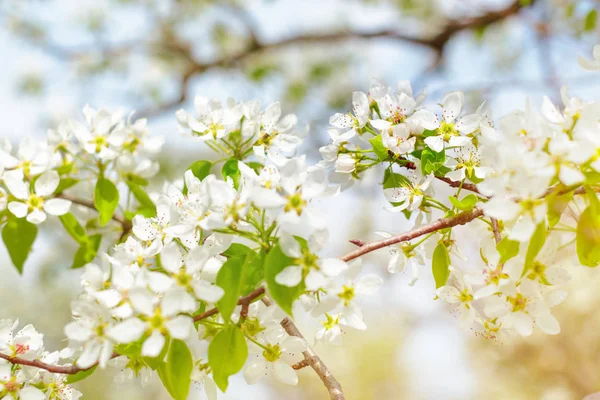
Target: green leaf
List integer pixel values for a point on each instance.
(142, 197)
(440, 265)
(590, 20)
(588, 237)
(238, 276)
(65, 183)
(176, 372)
(201, 169)
(466, 204)
(106, 199)
(275, 262)
(432, 161)
(557, 204)
(535, 245)
(87, 251)
(18, 235)
(230, 169)
(227, 353)
(81, 375)
(380, 150)
(74, 228)
(507, 249)
(236, 249)
(393, 180)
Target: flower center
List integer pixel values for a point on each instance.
(272, 353)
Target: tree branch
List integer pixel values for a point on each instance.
(125, 224)
(442, 223)
(243, 301)
(313, 360)
(436, 43)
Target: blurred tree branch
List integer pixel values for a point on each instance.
(168, 43)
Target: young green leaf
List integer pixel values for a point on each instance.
(275, 262)
(18, 236)
(231, 169)
(227, 353)
(142, 197)
(557, 204)
(466, 204)
(507, 249)
(236, 249)
(87, 251)
(176, 372)
(74, 228)
(535, 245)
(201, 169)
(440, 265)
(380, 150)
(588, 237)
(106, 199)
(81, 375)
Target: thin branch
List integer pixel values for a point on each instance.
(442, 223)
(125, 224)
(311, 358)
(243, 301)
(496, 230)
(437, 43)
(57, 369)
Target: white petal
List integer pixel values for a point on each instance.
(57, 206)
(127, 331)
(176, 301)
(333, 266)
(153, 345)
(291, 276)
(255, 370)
(47, 183)
(548, 324)
(285, 373)
(180, 327)
(36, 217)
(207, 292)
(368, 284)
(31, 393)
(452, 105)
(16, 186)
(289, 245)
(18, 209)
(171, 257)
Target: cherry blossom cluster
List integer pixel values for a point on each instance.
(209, 271)
(30, 382)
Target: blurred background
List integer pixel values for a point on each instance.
(154, 56)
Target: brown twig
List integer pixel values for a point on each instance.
(125, 224)
(313, 360)
(243, 301)
(442, 223)
(496, 230)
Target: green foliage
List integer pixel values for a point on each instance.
(440, 265)
(74, 228)
(588, 234)
(238, 276)
(378, 147)
(142, 197)
(275, 262)
(65, 183)
(557, 204)
(18, 235)
(176, 372)
(507, 249)
(201, 169)
(81, 375)
(535, 245)
(236, 249)
(466, 204)
(231, 169)
(87, 251)
(432, 161)
(591, 20)
(227, 353)
(106, 199)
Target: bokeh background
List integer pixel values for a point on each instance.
(154, 56)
